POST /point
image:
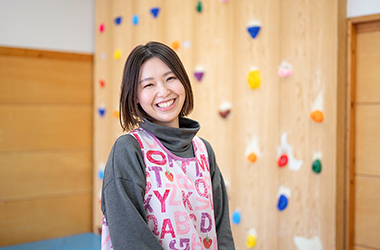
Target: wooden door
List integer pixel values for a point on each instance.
(45, 144)
(364, 133)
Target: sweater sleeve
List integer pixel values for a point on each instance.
(123, 197)
(220, 199)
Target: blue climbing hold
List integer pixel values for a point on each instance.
(253, 31)
(118, 20)
(135, 19)
(236, 217)
(155, 11)
(282, 202)
(101, 174)
(102, 111)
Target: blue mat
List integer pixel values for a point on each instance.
(86, 241)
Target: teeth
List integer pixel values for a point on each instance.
(165, 104)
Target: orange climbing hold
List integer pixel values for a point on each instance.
(252, 157)
(175, 45)
(317, 116)
(115, 113)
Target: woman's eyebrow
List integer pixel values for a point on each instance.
(168, 73)
(151, 78)
(146, 79)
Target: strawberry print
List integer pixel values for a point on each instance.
(207, 242)
(169, 175)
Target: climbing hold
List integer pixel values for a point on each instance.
(155, 11)
(252, 151)
(199, 72)
(225, 109)
(115, 113)
(102, 110)
(103, 56)
(317, 116)
(199, 6)
(101, 173)
(317, 166)
(282, 202)
(175, 45)
(102, 83)
(282, 161)
(236, 217)
(135, 19)
(254, 78)
(118, 20)
(250, 241)
(283, 196)
(254, 28)
(285, 149)
(101, 27)
(186, 44)
(285, 69)
(252, 157)
(117, 54)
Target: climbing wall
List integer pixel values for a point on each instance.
(264, 76)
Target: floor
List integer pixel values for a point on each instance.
(87, 241)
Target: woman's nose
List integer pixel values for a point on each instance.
(163, 90)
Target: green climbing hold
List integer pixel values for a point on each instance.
(317, 166)
(199, 6)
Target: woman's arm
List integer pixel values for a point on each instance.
(220, 199)
(123, 197)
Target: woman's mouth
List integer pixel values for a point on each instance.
(166, 104)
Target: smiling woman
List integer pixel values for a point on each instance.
(161, 177)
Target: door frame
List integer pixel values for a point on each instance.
(353, 24)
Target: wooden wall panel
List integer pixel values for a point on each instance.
(367, 216)
(44, 218)
(46, 140)
(304, 33)
(307, 31)
(44, 173)
(70, 80)
(256, 116)
(45, 127)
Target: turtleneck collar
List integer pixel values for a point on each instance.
(176, 140)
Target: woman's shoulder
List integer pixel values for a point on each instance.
(209, 148)
(125, 144)
(126, 159)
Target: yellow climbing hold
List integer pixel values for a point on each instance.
(250, 242)
(117, 54)
(254, 78)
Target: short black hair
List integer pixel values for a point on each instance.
(130, 111)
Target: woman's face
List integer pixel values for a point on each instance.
(160, 93)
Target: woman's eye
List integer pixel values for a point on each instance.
(148, 85)
(171, 78)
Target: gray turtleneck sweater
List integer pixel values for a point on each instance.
(124, 187)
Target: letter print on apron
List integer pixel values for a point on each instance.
(178, 198)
